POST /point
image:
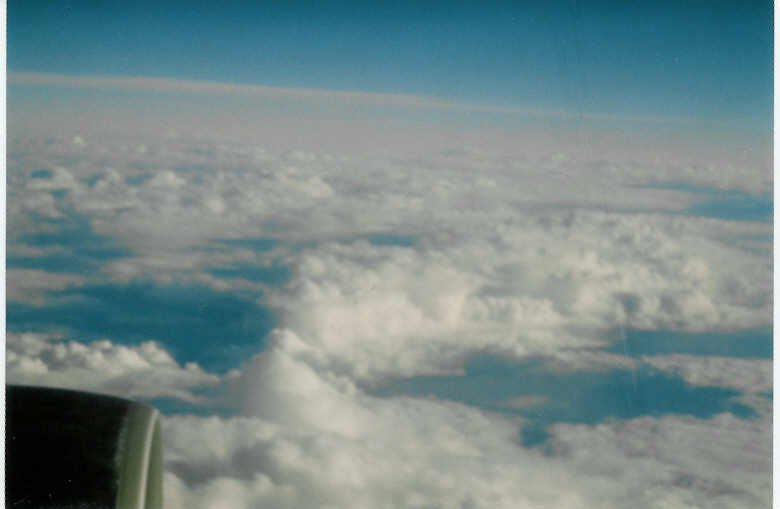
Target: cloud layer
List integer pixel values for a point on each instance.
(143, 371)
(387, 267)
(318, 443)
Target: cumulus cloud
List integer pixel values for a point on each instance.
(673, 461)
(32, 286)
(404, 264)
(240, 189)
(143, 371)
(746, 375)
(313, 441)
(528, 288)
(516, 256)
(317, 443)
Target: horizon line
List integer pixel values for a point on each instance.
(399, 100)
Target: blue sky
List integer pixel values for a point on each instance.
(705, 60)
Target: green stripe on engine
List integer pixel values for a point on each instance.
(138, 458)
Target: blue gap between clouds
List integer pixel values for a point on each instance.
(255, 244)
(590, 397)
(273, 275)
(391, 239)
(195, 323)
(79, 249)
(217, 400)
(735, 206)
(276, 274)
(745, 344)
(724, 204)
(42, 174)
(173, 406)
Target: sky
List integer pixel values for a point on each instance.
(399, 255)
(704, 60)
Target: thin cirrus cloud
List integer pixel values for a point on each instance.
(149, 84)
(347, 100)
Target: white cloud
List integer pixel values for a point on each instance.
(674, 461)
(311, 97)
(314, 441)
(238, 190)
(519, 289)
(320, 445)
(517, 250)
(143, 371)
(32, 286)
(514, 255)
(746, 375)
(201, 87)
(55, 179)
